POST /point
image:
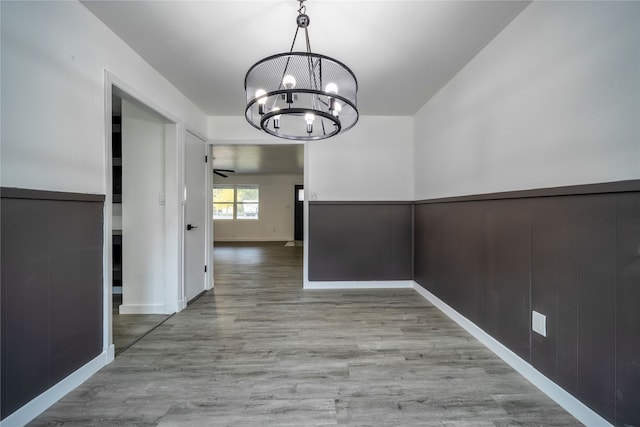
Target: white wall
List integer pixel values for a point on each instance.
(143, 216)
(53, 109)
(553, 100)
(276, 216)
(371, 162)
(236, 129)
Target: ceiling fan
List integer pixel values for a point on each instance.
(219, 172)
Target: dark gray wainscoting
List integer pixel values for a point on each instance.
(360, 241)
(572, 254)
(627, 307)
(51, 291)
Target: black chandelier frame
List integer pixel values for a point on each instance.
(292, 111)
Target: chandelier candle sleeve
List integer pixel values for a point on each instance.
(262, 100)
(276, 119)
(301, 96)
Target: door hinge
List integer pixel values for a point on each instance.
(205, 268)
(206, 159)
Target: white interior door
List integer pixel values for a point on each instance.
(195, 217)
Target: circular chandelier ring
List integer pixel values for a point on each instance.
(301, 112)
(301, 90)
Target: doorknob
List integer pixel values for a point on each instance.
(191, 227)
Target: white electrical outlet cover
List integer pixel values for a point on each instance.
(539, 323)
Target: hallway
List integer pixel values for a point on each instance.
(259, 350)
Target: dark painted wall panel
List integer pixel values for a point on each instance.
(432, 271)
(470, 259)
(475, 257)
(566, 242)
(402, 241)
(421, 235)
(628, 310)
(360, 242)
(507, 228)
(76, 302)
(458, 255)
(573, 258)
(429, 265)
(51, 291)
(554, 238)
(546, 223)
(25, 302)
(596, 302)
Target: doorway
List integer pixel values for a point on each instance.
(267, 172)
(298, 197)
(138, 137)
(145, 269)
(253, 187)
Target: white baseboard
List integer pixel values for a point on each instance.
(572, 405)
(40, 403)
(253, 239)
(390, 284)
(142, 309)
(111, 353)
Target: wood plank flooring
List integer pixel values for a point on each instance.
(129, 328)
(259, 350)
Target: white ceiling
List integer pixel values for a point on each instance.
(402, 52)
(259, 159)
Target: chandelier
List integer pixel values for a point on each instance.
(302, 96)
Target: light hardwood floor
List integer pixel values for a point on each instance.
(129, 328)
(260, 351)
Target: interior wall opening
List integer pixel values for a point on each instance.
(257, 198)
(138, 137)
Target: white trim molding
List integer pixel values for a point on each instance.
(283, 239)
(383, 284)
(42, 402)
(143, 309)
(572, 405)
(111, 353)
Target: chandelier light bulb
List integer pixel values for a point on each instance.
(260, 94)
(309, 118)
(331, 88)
(262, 99)
(289, 81)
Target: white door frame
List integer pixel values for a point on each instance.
(174, 204)
(305, 183)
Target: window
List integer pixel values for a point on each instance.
(247, 200)
(223, 201)
(236, 201)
